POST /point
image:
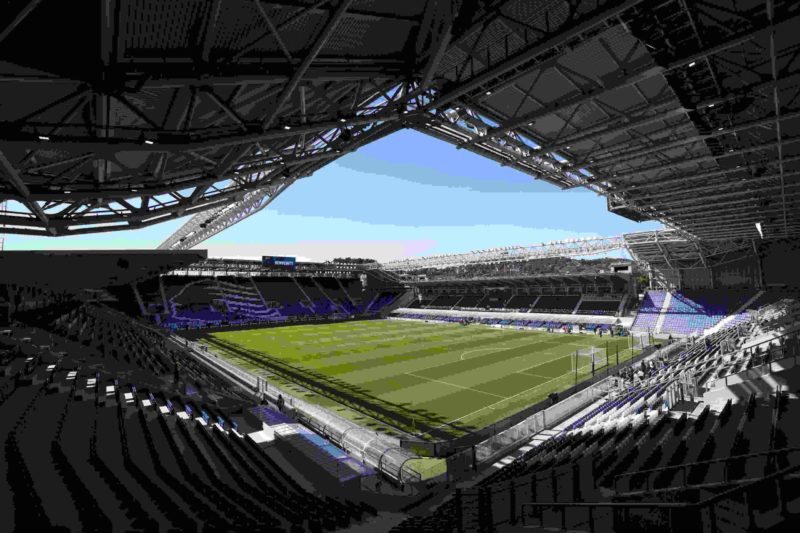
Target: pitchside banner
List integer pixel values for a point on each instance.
(287, 263)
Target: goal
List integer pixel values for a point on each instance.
(585, 359)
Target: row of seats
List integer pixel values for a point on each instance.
(504, 322)
(631, 447)
(87, 450)
(535, 303)
(204, 302)
(694, 311)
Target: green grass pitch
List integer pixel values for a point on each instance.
(434, 380)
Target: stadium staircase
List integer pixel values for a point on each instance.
(241, 301)
(662, 316)
(388, 301)
(694, 312)
(350, 302)
(139, 300)
(308, 302)
(335, 302)
(649, 312)
(739, 315)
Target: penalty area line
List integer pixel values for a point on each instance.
(490, 406)
(458, 386)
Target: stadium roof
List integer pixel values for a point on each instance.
(564, 248)
(89, 269)
(522, 280)
(683, 112)
(671, 250)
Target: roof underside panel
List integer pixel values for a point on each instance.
(683, 112)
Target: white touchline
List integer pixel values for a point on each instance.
(489, 406)
(454, 385)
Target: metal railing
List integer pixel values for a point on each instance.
(710, 515)
(787, 347)
(380, 451)
(685, 466)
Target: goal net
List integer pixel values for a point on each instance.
(586, 359)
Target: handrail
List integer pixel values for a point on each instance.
(671, 505)
(720, 382)
(709, 461)
(705, 361)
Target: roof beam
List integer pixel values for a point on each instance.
(171, 141)
(658, 112)
(444, 35)
(776, 103)
(22, 15)
(273, 30)
(678, 180)
(319, 43)
(625, 81)
(12, 176)
(520, 59)
(210, 29)
(622, 156)
(701, 159)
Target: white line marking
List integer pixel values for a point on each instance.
(490, 405)
(454, 385)
(486, 349)
(548, 378)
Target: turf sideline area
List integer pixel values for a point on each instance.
(433, 380)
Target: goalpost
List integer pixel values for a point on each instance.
(586, 360)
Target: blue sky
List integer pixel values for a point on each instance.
(405, 195)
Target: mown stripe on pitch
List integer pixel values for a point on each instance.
(429, 361)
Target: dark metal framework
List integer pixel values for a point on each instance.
(682, 111)
(555, 283)
(668, 252)
(252, 268)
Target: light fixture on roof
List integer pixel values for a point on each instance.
(760, 231)
(287, 127)
(488, 93)
(693, 63)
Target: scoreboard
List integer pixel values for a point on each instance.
(287, 263)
